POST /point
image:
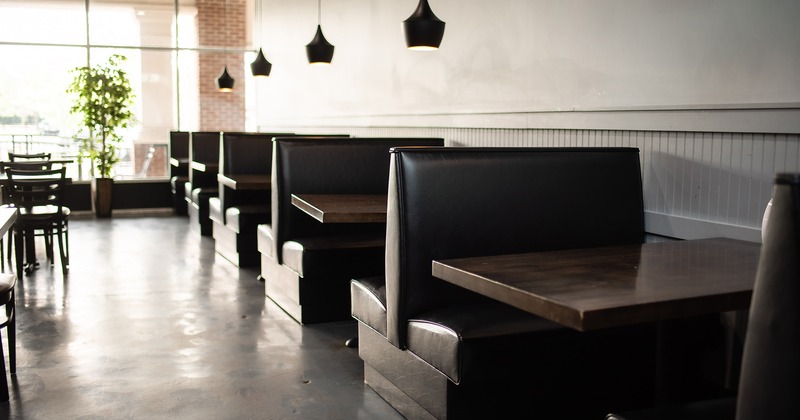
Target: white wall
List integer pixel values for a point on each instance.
(525, 58)
(696, 74)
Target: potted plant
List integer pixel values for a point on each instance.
(103, 99)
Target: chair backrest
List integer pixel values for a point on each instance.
(328, 165)
(14, 157)
(29, 165)
(463, 202)
(770, 378)
(31, 188)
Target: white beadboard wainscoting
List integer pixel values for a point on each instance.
(696, 184)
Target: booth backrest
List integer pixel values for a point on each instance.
(204, 148)
(247, 153)
(462, 202)
(179, 144)
(179, 150)
(309, 165)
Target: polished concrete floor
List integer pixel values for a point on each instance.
(150, 323)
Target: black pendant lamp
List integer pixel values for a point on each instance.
(225, 81)
(261, 67)
(319, 50)
(424, 31)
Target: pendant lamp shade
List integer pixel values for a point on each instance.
(261, 67)
(424, 31)
(225, 81)
(319, 50)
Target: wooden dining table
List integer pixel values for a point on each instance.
(595, 288)
(179, 162)
(246, 182)
(8, 215)
(343, 208)
(204, 166)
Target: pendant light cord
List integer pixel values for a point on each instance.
(225, 14)
(319, 12)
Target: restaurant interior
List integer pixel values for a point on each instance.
(400, 209)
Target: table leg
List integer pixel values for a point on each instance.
(690, 360)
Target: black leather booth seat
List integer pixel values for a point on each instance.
(179, 175)
(235, 214)
(203, 148)
(307, 265)
(433, 349)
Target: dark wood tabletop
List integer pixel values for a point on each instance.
(343, 208)
(179, 162)
(594, 288)
(8, 215)
(245, 182)
(204, 166)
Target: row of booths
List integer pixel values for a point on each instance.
(430, 348)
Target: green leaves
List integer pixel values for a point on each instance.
(103, 99)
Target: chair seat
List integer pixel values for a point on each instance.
(42, 211)
(7, 283)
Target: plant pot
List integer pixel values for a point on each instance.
(102, 189)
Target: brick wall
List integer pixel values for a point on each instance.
(221, 111)
(158, 165)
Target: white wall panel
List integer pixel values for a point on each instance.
(695, 184)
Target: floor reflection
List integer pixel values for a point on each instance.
(152, 323)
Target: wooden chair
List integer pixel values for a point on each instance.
(7, 283)
(39, 196)
(31, 165)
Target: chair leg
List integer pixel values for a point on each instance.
(63, 236)
(12, 335)
(19, 247)
(48, 245)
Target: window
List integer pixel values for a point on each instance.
(42, 40)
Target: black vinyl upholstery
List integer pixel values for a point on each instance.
(461, 202)
(308, 265)
(308, 165)
(770, 378)
(478, 357)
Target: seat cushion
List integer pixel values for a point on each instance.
(474, 336)
(368, 302)
(246, 217)
(215, 210)
(187, 190)
(266, 240)
(357, 255)
(201, 195)
(41, 216)
(7, 283)
(177, 182)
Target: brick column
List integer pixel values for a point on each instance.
(221, 111)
